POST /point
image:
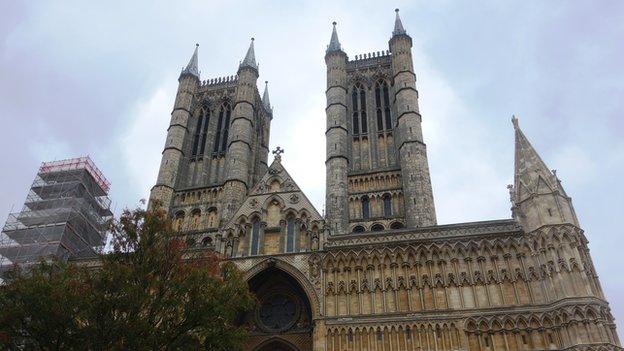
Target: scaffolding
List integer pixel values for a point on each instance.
(65, 215)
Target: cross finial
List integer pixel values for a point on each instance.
(278, 153)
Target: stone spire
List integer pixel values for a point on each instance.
(250, 58)
(537, 196)
(265, 97)
(334, 43)
(398, 25)
(191, 68)
(529, 168)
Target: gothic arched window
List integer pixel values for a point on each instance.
(255, 236)
(199, 141)
(356, 117)
(387, 205)
(223, 127)
(387, 107)
(290, 234)
(382, 106)
(358, 101)
(378, 108)
(365, 207)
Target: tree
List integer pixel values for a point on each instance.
(149, 293)
(42, 309)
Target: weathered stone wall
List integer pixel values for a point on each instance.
(480, 287)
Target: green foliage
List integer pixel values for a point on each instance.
(149, 293)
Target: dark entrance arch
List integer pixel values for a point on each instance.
(276, 345)
(282, 319)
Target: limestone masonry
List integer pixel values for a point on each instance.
(376, 272)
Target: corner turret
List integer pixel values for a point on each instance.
(336, 137)
(173, 153)
(418, 199)
(239, 160)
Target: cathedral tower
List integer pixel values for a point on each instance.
(377, 168)
(216, 148)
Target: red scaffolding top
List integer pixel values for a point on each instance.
(77, 163)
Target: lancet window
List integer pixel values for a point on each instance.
(290, 234)
(201, 130)
(382, 106)
(365, 207)
(358, 101)
(255, 236)
(223, 126)
(387, 205)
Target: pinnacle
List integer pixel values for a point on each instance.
(191, 67)
(250, 58)
(514, 120)
(527, 163)
(398, 25)
(265, 97)
(334, 43)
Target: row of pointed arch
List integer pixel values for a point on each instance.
(401, 336)
(570, 326)
(447, 250)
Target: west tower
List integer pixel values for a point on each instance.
(216, 147)
(377, 168)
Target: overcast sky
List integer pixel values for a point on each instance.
(92, 78)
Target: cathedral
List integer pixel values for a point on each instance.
(375, 271)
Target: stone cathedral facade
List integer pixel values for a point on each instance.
(376, 272)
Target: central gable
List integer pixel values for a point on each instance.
(276, 217)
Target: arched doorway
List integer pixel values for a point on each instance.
(282, 319)
(276, 345)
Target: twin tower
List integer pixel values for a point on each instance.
(377, 174)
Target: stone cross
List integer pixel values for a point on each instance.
(278, 153)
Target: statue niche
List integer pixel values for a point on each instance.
(272, 232)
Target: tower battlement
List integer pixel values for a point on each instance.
(371, 59)
(219, 80)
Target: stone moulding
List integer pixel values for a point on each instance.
(505, 226)
(462, 314)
